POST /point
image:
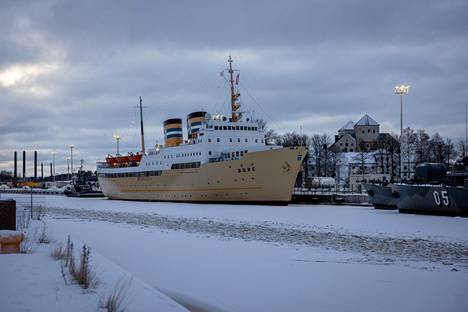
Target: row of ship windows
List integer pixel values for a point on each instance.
(131, 174)
(183, 155)
(233, 154)
(242, 128)
(189, 154)
(188, 165)
(248, 169)
(195, 164)
(225, 155)
(152, 163)
(230, 140)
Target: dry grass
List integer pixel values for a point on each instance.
(27, 246)
(84, 275)
(116, 301)
(43, 238)
(59, 253)
(22, 219)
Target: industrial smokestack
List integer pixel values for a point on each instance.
(24, 164)
(15, 174)
(35, 165)
(50, 171)
(42, 171)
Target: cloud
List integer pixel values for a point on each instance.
(72, 72)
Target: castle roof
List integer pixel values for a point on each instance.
(366, 120)
(348, 126)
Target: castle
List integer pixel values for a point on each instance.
(363, 135)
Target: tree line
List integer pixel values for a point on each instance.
(417, 147)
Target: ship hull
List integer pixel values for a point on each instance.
(429, 199)
(264, 177)
(381, 196)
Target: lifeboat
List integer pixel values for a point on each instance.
(123, 161)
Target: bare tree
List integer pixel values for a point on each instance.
(393, 152)
(325, 141)
(422, 146)
(462, 149)
(333, 161)
(294, 139)
(437, 148)
(362, 158)
(271, 137)
(408, 148)
(450, 151)
(315, 148)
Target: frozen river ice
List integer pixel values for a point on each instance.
(373, 248)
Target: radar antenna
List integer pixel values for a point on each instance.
(235, 105)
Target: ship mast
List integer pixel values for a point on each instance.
(141, 124)
(234, 94)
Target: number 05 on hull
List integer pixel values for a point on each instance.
(433, 199)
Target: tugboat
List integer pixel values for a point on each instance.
(224, 159)
(83, 184)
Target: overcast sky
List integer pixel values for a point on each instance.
(71, 72)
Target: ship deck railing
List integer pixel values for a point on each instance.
(106, 165)
(327, 190)
(29, 191)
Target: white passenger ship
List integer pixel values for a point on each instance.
(224, 159)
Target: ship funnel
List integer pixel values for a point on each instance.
(173, 132)
(194, 121)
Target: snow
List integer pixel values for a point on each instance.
(348, 126)
(9, 233)
(34, 282)
(263, 258)
(324, 218)
(238, 275)
(366, 120)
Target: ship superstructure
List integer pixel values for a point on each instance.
(223, 159)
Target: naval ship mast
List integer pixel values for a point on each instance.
(142, 132)
(235, 105)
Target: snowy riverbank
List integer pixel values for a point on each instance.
(34, 281)
(262, 258)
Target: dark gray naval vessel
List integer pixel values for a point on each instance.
(380, 195)
(432, 191)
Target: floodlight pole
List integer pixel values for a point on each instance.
(401, 90)
(117, 139)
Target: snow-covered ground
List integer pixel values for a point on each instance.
(263, 258)
(34, 281)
